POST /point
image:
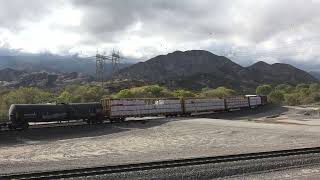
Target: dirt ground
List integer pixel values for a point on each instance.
(263, 129)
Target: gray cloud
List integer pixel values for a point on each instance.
(251, 20)
(244, 30)
(105, 19)
(14, 12)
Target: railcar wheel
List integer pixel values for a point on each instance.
(88, 121)
(11, 127)
(99, 119)
(26, 125)
(23, 126)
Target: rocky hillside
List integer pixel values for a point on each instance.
(277, 73)
(197, 69)
(180, 64)
(53, 63)
(16, 78)
(9, 75)
(315, 74)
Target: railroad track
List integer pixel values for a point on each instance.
(83, 172)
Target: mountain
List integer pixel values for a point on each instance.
(8, 74)
(53, 63)
(197, 69)
(180, 64)
(16, 78)
(278, 73)
(315, 74)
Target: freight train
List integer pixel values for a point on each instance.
(20, 115)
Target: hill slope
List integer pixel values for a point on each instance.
(53, 63)
(315, 74)
(180, 64)
(16, 78)
(197, 69)
(277, 73)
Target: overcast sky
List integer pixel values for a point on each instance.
(243, 30)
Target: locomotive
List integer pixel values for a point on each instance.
(118, 109)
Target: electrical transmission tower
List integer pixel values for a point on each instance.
(115, 60)
(100, 65)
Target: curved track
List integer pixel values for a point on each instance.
(159, 165)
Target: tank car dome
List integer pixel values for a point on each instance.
(12, 109)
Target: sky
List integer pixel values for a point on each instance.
(245, 31)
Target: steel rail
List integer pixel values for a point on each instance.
(102, 170)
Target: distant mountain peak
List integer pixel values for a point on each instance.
(9, 70)
(178, 64)
(261, 63)
(196, 69)
(191, 56)
(192, 53)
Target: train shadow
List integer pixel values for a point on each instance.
(38, 135)
(245, 114)
(42, 134)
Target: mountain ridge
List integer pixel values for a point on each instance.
(196, 69)
(13, 78)
(53, 63)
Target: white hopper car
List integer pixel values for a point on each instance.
(119, 109)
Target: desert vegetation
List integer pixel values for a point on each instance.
(291, 95)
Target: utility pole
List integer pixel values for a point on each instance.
(100, 65)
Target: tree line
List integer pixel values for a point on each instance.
(286, 94)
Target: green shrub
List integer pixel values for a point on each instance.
(3, 110)
(302, 85)
(315, 97)
(64, 97)
(3, 115)
(284, 88)
(292, 99)
(152, 91)
(315, 87)
(28, 96)
(264, 89)
(85, 93)
(125, 93)
(220, 92)
(182, 93)
(276, 97)
(304, 92)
